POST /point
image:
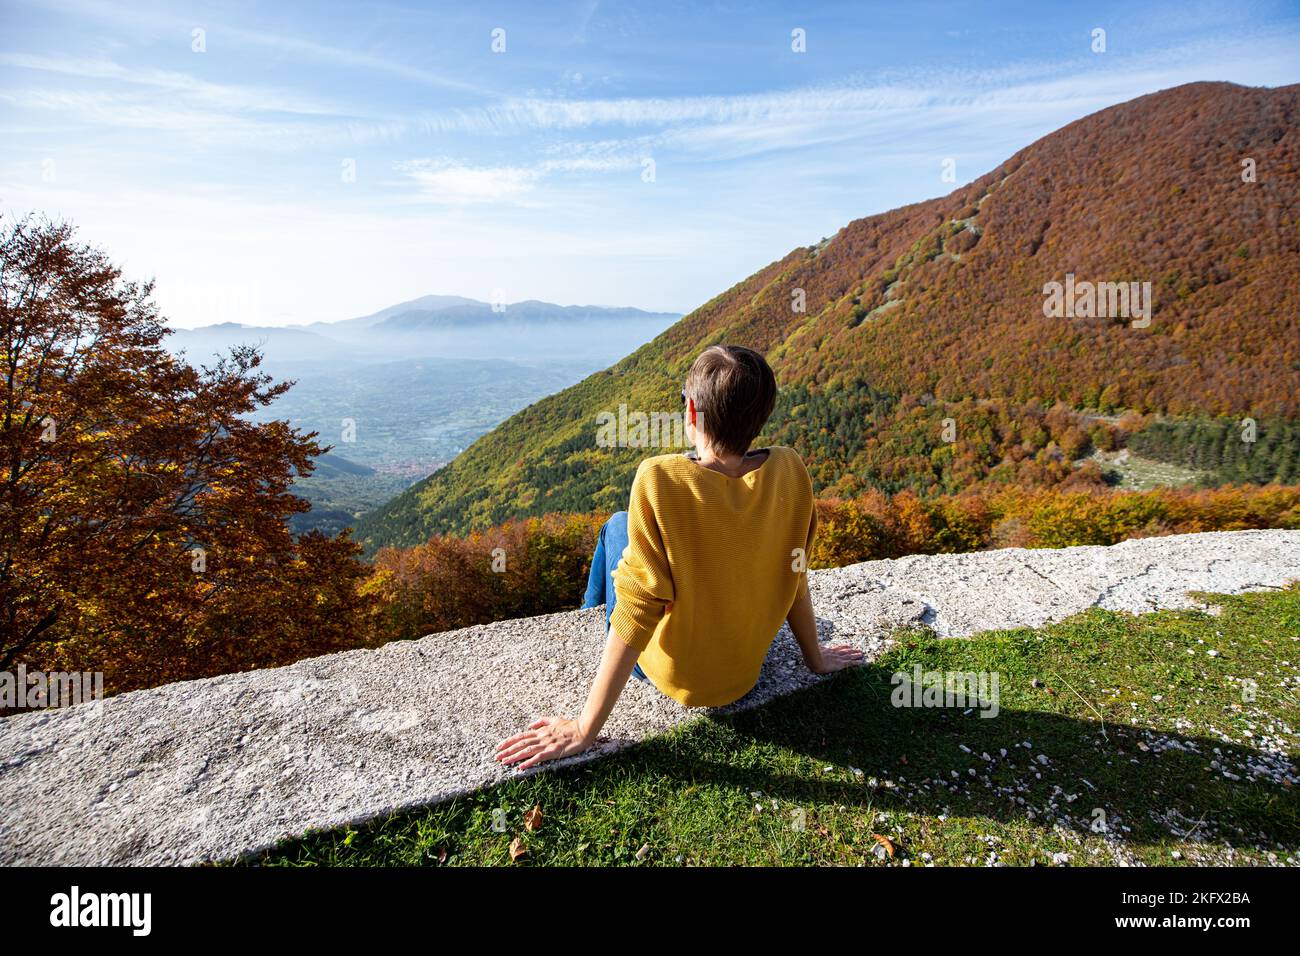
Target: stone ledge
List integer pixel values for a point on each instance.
(216, 768)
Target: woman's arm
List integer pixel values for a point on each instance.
(551, 738)
(803, 624)
(643, 585)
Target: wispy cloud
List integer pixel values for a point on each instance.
(175, 102)
(459, 183)
(297, 46)
(446, 181)
(337, 56)
(222, 96)
(199, 126)
(730, 127)
(570, 114)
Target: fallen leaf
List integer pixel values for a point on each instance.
(517, 849)
(533, 819)
(887, 843)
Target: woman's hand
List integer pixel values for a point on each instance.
(554, 737)
(836, 657)
(803, 625)
(549, 738)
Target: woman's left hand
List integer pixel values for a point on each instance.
(549, 738)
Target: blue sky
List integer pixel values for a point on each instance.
(525, 173)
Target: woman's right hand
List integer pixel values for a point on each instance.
(836, 657)
(548, 738)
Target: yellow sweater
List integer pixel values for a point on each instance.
(712, 568)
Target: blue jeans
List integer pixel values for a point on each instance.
(600, 579)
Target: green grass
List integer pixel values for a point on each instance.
(1135, 715)
(1142, 474)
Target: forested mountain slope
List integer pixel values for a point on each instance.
(924, 359)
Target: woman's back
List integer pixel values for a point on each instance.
(712, 567)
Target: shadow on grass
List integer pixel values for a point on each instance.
(1051, 771)
(1146, 786)
(802, 749)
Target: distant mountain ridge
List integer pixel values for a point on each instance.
(922, 357)
(446, 326)
(426, 303)
(529, 310)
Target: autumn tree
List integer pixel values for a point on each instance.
(142, 512)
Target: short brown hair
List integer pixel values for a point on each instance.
(734, 392)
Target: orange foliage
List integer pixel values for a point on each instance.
(449, 582)
(875, 526)
(142, 514)
(517, 569)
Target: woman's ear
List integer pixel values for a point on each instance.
(690, 412)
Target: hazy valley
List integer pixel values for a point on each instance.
(399, 393)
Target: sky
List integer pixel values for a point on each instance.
(291, 162)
